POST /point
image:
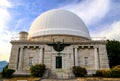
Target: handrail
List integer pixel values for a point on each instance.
(92, 38)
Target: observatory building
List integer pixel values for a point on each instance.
(60, 40)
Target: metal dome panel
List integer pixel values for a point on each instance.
(58, 22)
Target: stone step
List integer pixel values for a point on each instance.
(21, 73)
(58, 74)
(58, 80)
(1, 80)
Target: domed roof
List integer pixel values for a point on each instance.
(58, 22)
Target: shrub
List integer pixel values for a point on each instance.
(116, 67)
(115, 71)
(103, 73)
(79, 71)
(37, 70)
(0, 75)
(7, 73)
(99, 73)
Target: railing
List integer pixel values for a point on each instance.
(14, 38)
(98, 38)
(17, 38)
(24, 39)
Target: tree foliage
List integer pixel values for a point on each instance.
(113, 51)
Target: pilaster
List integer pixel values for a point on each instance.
(20, 64)
(96, 58)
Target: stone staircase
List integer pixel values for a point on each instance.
(21, 73)
(58, 80)
(58, 74)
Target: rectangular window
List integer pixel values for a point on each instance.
(30, 61)
(86, 61)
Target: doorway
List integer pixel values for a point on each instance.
(59, 62)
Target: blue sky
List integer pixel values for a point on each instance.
(102, 17)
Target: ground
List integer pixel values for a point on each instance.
(78, 79)
(22, 79)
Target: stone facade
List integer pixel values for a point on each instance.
(81, 52)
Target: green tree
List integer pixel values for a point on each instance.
(113, 51)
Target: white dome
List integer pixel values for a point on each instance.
(58, 22)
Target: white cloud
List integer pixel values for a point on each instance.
(4, 14)
(5, 3)
(5, 35)
(90, 11)
(111, 31)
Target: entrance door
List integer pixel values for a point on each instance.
(58, 62)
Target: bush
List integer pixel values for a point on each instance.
(79, 71)
(116, 67)
(99, 73)
(7, 73)
(103, 73)
(115, 71)
(37, 70)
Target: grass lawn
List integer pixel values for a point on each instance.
(22, 79)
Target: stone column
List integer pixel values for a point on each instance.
(20, 64)
(96, 58)
(41, 56)
(76, 56)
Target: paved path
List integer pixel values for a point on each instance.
(1, 80)
(58, 80)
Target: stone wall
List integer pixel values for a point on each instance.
(104, 64)
(30, 52)
(67, 38)
(13, 60)
(86, 53)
